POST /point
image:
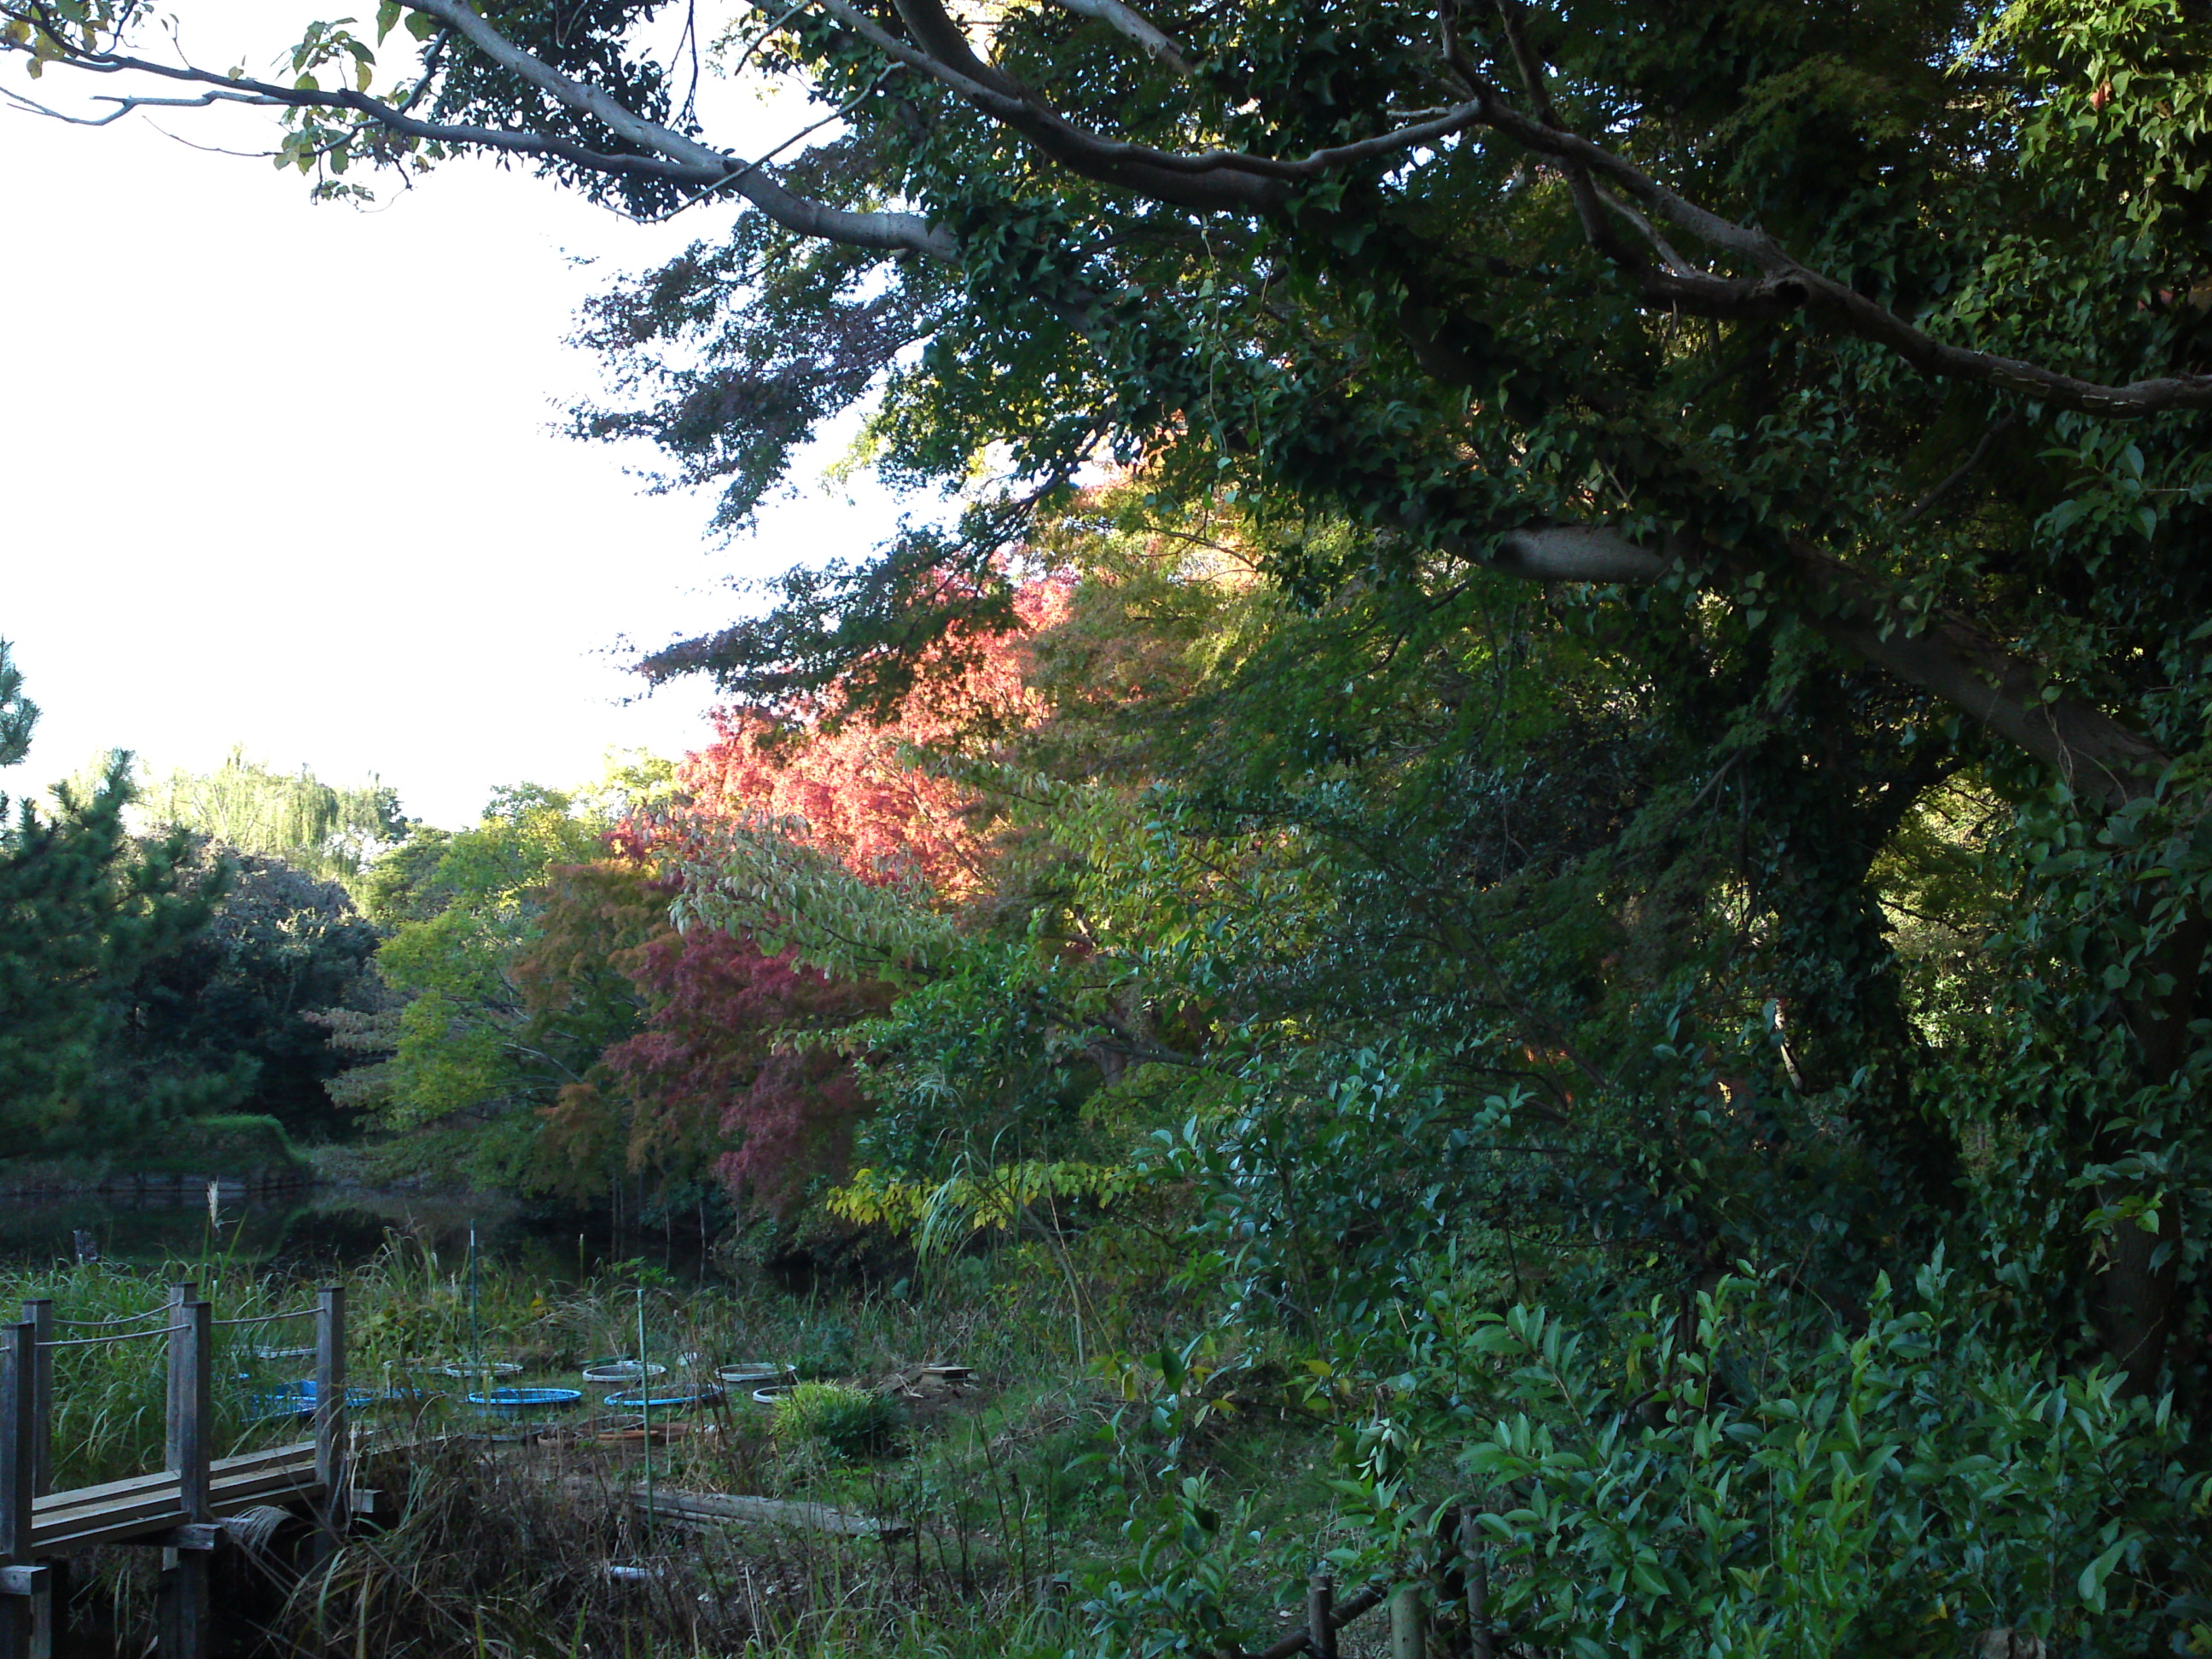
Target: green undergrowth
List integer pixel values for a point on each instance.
(1018, 1490)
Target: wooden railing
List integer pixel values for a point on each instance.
(1414, 1628)
(181, 1509)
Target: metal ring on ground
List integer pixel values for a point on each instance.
(637, 1398)
(606, 1371)
(750, 1374)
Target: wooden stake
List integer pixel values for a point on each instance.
(183, 1603)
(1407, 1616)
(1477, 1586)
(181, 1296)
(330, 1413)
(1321, 1624)
(18, 1366)
(191, 1382)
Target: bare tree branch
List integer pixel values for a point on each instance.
(125, 105)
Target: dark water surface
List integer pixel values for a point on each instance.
(329, 1226)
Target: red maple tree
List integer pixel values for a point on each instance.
(724, 1064)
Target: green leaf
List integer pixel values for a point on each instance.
(2091, 1584)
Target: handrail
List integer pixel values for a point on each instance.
(270, 1318)
(120, 1336)
(119, 1319)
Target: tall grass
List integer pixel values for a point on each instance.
(484, 1545)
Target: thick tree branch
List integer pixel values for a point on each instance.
(1211, 181)
(893, 231)
(672, 159)
(1787, 285)
(1128, 22)
(2099, 757)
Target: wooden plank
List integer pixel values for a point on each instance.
(764, 1512)
(127, 1508)
(109, 1529)
(299, 1454)
(158, 1512)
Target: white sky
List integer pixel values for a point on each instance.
(284, 476)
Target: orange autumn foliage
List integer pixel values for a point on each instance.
(864, 793)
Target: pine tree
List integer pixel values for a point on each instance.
(84, 910)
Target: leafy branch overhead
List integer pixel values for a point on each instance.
(1514, 289)
(1623, 210)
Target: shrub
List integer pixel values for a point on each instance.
(841, 1419)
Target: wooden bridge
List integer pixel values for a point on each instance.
(179, 1509)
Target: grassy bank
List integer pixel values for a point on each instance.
(1021, 1490)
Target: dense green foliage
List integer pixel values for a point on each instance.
(1632, 738)
(85, 913)
(149, 979)
(248, 992)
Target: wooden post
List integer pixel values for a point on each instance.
(181, 1616)
(191, 1382)
(38, 1314)
(330, 1411)
(19, 1359)
(1321, 1623)
(1477, 1586)
(1406, 1615)
(51, 1597)
(180, 1297)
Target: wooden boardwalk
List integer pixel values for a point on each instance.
(122, 1511)
(179, 1509)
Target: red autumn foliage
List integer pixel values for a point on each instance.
(853, 788)
(715, 1072)
(719, 1050)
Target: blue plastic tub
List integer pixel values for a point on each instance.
(296, 1399)
(520, 1402)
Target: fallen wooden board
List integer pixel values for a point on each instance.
(727, 1509)
(765, 1512)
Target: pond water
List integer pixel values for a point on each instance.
(336, 1226)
